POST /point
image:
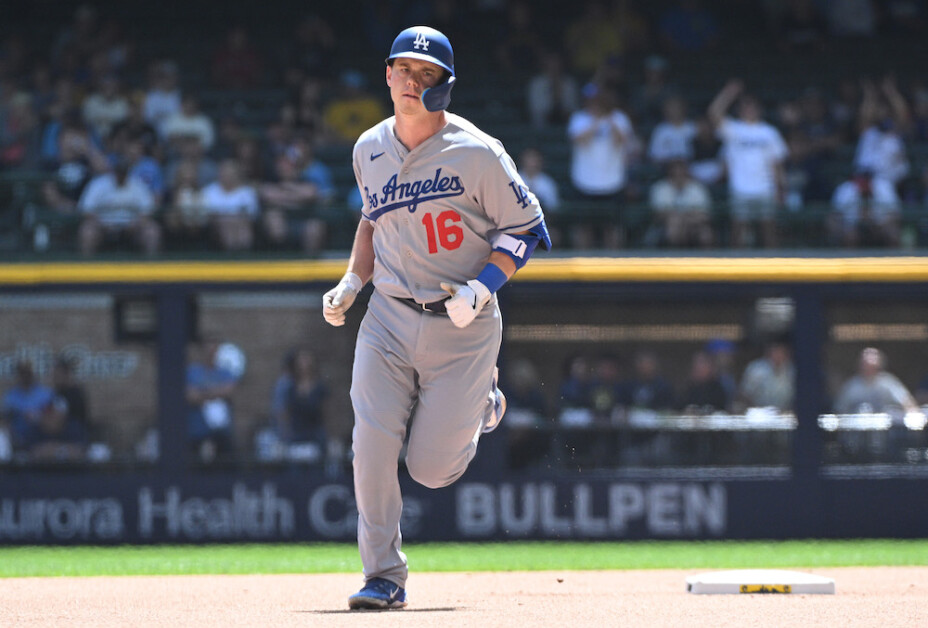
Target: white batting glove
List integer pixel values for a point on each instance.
(466, 301)
(336, 301)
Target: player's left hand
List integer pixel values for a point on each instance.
(466, 301)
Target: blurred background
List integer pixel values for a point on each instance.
(205, 131)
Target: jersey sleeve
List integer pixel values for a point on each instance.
(508, 202)
(365, 201)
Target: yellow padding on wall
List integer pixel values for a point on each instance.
(580, 269)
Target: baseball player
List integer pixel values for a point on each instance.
(446, 222)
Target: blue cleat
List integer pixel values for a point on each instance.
(378, 594)
(499, 406)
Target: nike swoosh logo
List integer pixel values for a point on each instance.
(397, 589)
(373, 156)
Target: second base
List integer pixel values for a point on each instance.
(760, 581)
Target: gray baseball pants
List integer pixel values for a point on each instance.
(415, 371)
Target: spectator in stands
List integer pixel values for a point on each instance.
(592, 38)
(884, 117)
(770, 380)
(866, 212)
(754, 153)
(236, 63)
(66, 386)
(722, 351)
(311, 52)
(106, 106)
(353, 111)
(250, 160)
(163, 97)
(210, 389)
(232, 207)
(146, 168)
(576, 392)
(532, 170)
(308, 109)
(874, 389)
(299, 400)
(41, 86)
(61, 433)
(552, 94)
(608, 391)
(20, 134)
(81, 37)
(189, 121)
(24, 403)
(812, 138)
(647, 388)
(599, 135)
(185, 217)
(703, 392)
(230, 133)
(189, 150)
(289, 203)
(707, 166)
(62, 111)
(135, 128)
(649, 97)
(681, 207)
(672, 138)
(519, 43)
(688, 27)
(78, 161)
(115, 205)
(525, 395)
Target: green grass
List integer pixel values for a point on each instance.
(513, 556)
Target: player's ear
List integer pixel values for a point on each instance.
(389, 73)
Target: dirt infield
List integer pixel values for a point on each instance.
(893, 596)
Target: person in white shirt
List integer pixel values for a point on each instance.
(673, 137)
(681, 206)
(754, 152)
(884, 117)
(600, 136)
(105, 107)
(232, 207)
(162, 100)
(189, 121)
(770, 380)
(115, 205)
(866, 210)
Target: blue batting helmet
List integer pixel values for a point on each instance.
(427, 44)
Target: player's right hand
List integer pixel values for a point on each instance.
(336, 301)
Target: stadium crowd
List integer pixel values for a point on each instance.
(128, 151)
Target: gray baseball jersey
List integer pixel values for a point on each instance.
(438, 208)
(436, 211)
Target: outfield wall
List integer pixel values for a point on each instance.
(617, 476)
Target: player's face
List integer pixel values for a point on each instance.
(407, 79)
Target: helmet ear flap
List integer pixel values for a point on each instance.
(439, 97)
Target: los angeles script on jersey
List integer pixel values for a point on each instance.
(410, 194)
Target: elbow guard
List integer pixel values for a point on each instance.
(520, 246)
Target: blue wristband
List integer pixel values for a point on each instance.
(493, 277)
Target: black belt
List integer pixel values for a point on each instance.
(435, 307)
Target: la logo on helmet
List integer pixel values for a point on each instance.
(421, 41)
